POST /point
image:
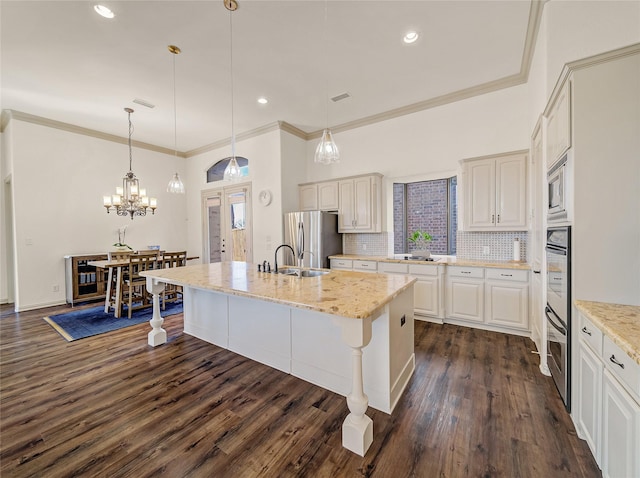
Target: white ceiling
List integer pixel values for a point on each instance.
(62, 61)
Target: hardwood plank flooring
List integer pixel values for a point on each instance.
(477, 406)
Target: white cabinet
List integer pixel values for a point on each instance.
(365, 266)
(507, 298)
(465, 293)
(318, 196)
(495, 193)
(328, 196)
(345, 264)
(308, 197)
(588, 394)
(427, 290)
(559, 124)
(360, 204)
(608, 402)
(620, 431)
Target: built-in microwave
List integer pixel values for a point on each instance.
(558, 191)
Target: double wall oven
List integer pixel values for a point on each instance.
(558, 309)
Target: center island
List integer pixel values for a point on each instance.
(314, 328)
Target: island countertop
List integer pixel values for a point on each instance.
(351, 294)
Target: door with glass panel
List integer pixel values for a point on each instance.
(226, 216)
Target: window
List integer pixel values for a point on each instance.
(429, 206)
(216, 172)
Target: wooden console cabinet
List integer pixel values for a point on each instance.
(82, 281)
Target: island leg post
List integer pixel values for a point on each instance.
(357, 428)
(158, 335)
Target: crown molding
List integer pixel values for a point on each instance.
(587, 63)
(9, 115)
(275, 126)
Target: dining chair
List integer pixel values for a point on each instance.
(173, 292)
(113, 279)
(133, 288)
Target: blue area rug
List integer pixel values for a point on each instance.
(87, 322)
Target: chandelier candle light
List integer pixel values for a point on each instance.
(175, 185)
(130, 198)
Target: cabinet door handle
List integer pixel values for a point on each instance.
(506, 275)
(586, 331)
(465, 272)
(493, 218)
(498, 218)
(613, 359)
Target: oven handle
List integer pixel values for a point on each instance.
(556, 250)
(563, 329)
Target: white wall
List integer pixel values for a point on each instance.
(263, 153)
(59, 179)
(431, 140)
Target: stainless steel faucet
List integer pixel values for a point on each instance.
(275, 259)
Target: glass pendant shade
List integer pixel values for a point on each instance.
(327, 150)
(232, 171)
(175, 185)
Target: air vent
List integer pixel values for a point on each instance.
(343, 96)
(144, 103)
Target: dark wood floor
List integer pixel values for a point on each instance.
(112, 406)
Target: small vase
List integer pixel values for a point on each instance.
(121, 248)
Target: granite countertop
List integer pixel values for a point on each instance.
(351, 294)
(452, 261)
(621, 323)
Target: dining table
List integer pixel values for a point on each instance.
(118, 265)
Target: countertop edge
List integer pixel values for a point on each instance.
(611, 324)
(441, 262)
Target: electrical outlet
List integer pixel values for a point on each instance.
(403, 319)
(486, 250)
(364, 247)
(56, 288)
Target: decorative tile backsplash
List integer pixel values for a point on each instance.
(367, 244)
(470, 245)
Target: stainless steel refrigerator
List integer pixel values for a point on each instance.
(315, 233)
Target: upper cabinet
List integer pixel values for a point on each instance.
(495, 193)
(319, 196)
(360, 204)
(559, 125)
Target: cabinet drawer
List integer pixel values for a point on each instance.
(508, 274)
(623, 366)
(365, 266)
(590, 334)
(341, 264)
(474, 272)
(423, 270)
(393, 268)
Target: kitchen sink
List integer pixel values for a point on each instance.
(305, 272)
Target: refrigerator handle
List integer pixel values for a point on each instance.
(300, 239)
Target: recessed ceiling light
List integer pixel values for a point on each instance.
(104, 11)
(410, 37)
(262, 100)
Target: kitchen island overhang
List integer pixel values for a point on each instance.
(314, 328)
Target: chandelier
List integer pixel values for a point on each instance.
(130, 198)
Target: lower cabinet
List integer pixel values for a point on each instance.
(427, 291)
(507, 298)
(465, 293)
(608, 399)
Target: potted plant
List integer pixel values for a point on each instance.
(420, 240)
(120, 245)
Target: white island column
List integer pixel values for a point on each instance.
(357, 428)
(158, 335)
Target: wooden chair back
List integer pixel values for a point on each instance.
(175, 259)
(118, 255)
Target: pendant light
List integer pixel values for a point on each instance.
(232, 171)
(327, 150)
(175, 185)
